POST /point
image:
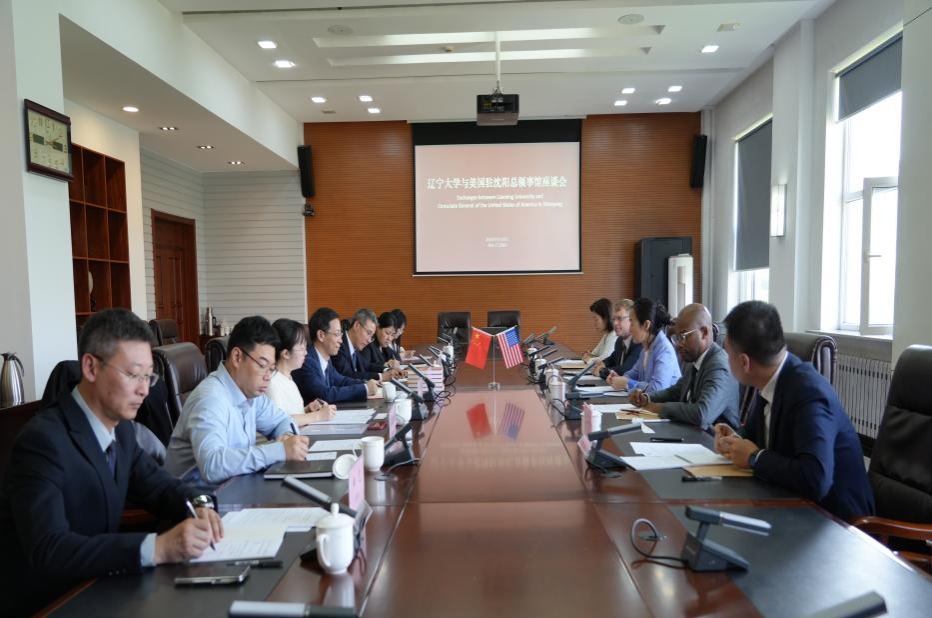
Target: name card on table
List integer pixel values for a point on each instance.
(392, 419)
(357, 484)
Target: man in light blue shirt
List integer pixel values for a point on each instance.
(215, 437)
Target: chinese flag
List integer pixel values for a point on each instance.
(479, 342)
(479, 421)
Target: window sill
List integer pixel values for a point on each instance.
(851, 343)
(838, 333)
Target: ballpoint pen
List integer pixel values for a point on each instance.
(258, 564)
(193, 514)
(687, 478)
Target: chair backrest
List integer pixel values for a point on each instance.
(216, 352)
(901, 461)
(460, 320)
(820, 350)
(182, 367)
(165, 331)
(505, 319)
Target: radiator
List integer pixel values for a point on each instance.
(862, 385)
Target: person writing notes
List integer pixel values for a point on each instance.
(602, 322)
(282, 390)
(626, 350)
(657, 367)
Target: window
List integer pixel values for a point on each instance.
(868, 216)
(754, 285)
(751, 279)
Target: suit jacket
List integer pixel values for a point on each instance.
(704, 397)
(620, 361)
(60, 507)
(813, 448)
(332, 387)
(352, 365)
(376, 356)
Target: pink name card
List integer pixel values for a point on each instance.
(357, 484)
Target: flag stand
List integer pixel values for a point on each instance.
(493, 385)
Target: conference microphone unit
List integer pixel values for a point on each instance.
(400, 435)
(549, 352)
(702, 554)
(613, 431)
(429, 396)
(540, 350)
(865, 606)
(276, 609)
(528, 339)
(444, 339)
(416, 414)
(317, 496)
(424, 360)
(728, 520)
(572, 391)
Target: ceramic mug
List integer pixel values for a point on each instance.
(335, 541)
(373, 453)
(388, 391)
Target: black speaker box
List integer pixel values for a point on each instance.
(697, 172)
(307, 171)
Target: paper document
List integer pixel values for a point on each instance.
(586, 379)
(347, 417)
(326, 456)
(294, 520)
(334, 445)
(694, 454)
(314, 430)
(654, 463)
(572, 363)
(615, 394)
(594, 389)
(245, 542)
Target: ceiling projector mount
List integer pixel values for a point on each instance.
(497, 109)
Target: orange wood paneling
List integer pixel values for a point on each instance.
(360, 245)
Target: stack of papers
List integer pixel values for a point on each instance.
(245, 542)
(294, 520)
(595, 389)
(664, 455)
(586, 379)
(334, 445)
(347, 417)
(572, 363)
(314, 430)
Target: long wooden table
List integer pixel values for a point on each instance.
(504, 518)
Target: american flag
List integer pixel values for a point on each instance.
(511, 422)
(511, 347)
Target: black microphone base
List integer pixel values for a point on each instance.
(597, 458)
(398, 457)
(710, 556)
(573, 410)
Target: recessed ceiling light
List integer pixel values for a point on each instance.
(339, 29)
(318, 99)
(674, 89)
(267, 44)
(729, 27)
(365, 98)
(235, 162)
(620, 103)
(205, 147)
(168, 128)
(628, 90)
(284, 64)
(630, 19)
(710, 49)
(664, 101)
(375, 110)
(130, 108)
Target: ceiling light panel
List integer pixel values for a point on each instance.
(284, 64)
(710, 49)
(530, 54)
(318, 99)
(675, 89)
(453, 38)
(267, 44)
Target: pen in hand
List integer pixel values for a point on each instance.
(193, 514)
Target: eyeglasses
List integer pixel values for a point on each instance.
(338, 333)
(267, 368)
(141, 378)
(678, 339)
(622, 318)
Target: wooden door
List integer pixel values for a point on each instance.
(175, 269)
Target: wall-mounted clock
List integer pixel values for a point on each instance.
(48, 141)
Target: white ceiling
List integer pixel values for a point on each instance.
(564, 59)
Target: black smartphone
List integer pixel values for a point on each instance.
(212, 575)
(661, 439)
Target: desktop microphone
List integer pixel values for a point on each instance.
(444, 339)
(865, 606)
(317, 496)
(702, 554)
(416, 414)
(549, 352)
(436, 352)
(424, 360)
(728, 520)
(429, 396)
(572, 392)
(541, 349)
(528, 339)
(613, 431)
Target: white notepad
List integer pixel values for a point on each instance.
(245, 542)
(294, 519)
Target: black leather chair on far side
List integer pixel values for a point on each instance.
(216, 352)
(901, 462)
(165, 331)
(505, 319)
(182, 367)
(460, 320)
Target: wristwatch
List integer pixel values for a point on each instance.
(204, 501)
(752, 460)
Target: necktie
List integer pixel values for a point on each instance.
(111, 453)
(693, 378)
(758, 413)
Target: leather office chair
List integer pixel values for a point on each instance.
(216, 352)
(505, 319)
(165, 331)
(182, 367)
(460, 320)
(901, 462)
(820, 350)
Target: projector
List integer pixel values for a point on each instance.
(496, 109)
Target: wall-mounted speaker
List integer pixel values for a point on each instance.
(697, 170)
(307, 171)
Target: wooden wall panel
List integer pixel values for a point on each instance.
(635, 183)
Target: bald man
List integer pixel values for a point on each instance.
(707, 393)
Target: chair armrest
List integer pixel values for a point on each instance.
(892, 527)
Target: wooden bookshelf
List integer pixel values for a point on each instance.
(99, 236)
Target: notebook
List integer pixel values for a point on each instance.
(315, 469)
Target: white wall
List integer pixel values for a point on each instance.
(171, 188)
(750, 102)
(91, 130)
(255, 246)
(914, 218)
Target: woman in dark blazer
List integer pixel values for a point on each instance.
(379, 353)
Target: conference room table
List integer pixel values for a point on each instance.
(503, 517)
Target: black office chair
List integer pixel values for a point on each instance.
(505, 319)
(182, 367)
(165, 331)
(215, 352)
(901, 462)
(820, 350)
(460, 320)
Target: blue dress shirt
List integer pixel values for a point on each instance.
(656, 369)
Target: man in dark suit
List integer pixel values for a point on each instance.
(351, 361)
(318, 378)
(626, 351)
(798, 434)
(73, 467)
(707, 393)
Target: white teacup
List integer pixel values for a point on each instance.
(403, 411)
(335, 543)
(343, 464)
(388, 391)
(373, 453)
